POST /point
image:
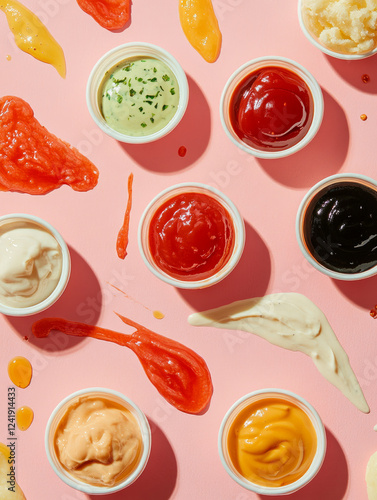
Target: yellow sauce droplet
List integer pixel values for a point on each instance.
(158, 314)
(9, 57)
(24, 417)
(32, 36)
(20, 371)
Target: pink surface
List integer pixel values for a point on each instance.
(184, 462)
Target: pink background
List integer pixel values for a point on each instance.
(184, 462)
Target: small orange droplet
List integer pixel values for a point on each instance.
(182, 151)
(20, 371)
(365, 78)
(373, 313)
(363, 117)
(24, 417)
(158, 315)
(9, 57)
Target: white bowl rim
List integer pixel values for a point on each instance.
(329, 272)
(326, 50)
(65, 273)
(317, 460)
(173, 64)
(318, 104)
(145, 432)
(237, 221)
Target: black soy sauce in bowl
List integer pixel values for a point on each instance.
(340, 227)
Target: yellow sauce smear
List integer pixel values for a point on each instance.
(24, 417)
(272, 442)
(32, 36)
(20, 371)
(200, 25)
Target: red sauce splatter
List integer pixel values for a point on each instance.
(110, 14)
(191, 236)
(179, 374)
(34, 161)
(182, 151)
(365, 78)
(271, 109)
(122, 240)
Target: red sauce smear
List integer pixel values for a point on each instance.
(122, 240)
(34, 161)
(179, 374)
(191, 236)
(365, 78)
(110, 14)
(271, 109)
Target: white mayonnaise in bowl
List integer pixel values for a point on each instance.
(137, 93)
(108, 427)
(35, 265)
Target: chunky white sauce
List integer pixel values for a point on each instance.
(291, 321)
(139, 96)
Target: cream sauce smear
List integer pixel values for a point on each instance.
(291, 321)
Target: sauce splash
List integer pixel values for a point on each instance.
(291, 321)
(20, 371)
(24, 417)
(122, 240)
(179, 374)
(32, 36)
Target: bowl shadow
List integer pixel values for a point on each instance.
(322, 157)
(353, 71)
(82, 299)
(363, 293)
(331, 481)
(192, 132)
(250, 278)
(159, 477)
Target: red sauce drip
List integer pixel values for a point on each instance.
(365, 78)
(373, 313)
(271, 109)
(191, 236)
(182, 151)
(122, 240)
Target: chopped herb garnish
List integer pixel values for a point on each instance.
(149, 102)
(143, 125)
(165, 106)
(152, 119)
(143, 60)
(119, 98)
(141, 91)
(141, 109)
(139, 79)
(123, 80)
(154, 79)
(132, 92)
(166, 78)
(156, 105)
(172, 91)
(133, 104)
(128, 67)
(150, 96)
(162, 89)
(154, 70)
(108, 96)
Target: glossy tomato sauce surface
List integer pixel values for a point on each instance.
(271, 109)
(191, 236)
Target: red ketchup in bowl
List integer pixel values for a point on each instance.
(271, 109)
(191, 236)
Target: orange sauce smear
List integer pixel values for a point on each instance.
(20, 371)
(272, 442)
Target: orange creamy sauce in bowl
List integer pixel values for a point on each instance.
(271, 442)
(98, 441)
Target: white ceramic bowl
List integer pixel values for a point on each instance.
(300, 224)
(116, 56)
(260, 63)
(66, 264)
(58, 413)
(326, 50)
(189, 187)
(284, 396)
